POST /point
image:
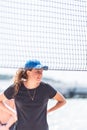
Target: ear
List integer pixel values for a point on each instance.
(28, 72)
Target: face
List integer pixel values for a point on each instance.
(35, 75)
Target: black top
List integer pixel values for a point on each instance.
(32, 114)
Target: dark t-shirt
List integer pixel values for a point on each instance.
(32, 114)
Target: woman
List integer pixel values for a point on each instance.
(31, 97)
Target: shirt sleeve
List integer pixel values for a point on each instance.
(52, 91)
(9, 92)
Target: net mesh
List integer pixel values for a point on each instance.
(53, 31)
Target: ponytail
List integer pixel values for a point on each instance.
(19, 77)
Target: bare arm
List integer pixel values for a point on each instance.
(8, 124)
(60, 102)
(8, 109)
(3, 106)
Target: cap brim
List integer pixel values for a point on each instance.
(41, 67)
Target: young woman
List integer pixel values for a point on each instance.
(31, 98)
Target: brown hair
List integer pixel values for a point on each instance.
(19, 77)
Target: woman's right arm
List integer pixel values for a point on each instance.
(3, 106)
(11, 111)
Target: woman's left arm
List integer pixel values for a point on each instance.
(60, 102)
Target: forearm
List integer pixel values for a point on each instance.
(11, 121)
(55, 107)
(9, 110)
(6, 109)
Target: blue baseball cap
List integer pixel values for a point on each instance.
(35, 64)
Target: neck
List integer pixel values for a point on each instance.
(31, 85)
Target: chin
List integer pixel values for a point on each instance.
(38, 81)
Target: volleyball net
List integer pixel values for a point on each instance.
(53, 31)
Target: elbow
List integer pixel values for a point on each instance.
(64, 102)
